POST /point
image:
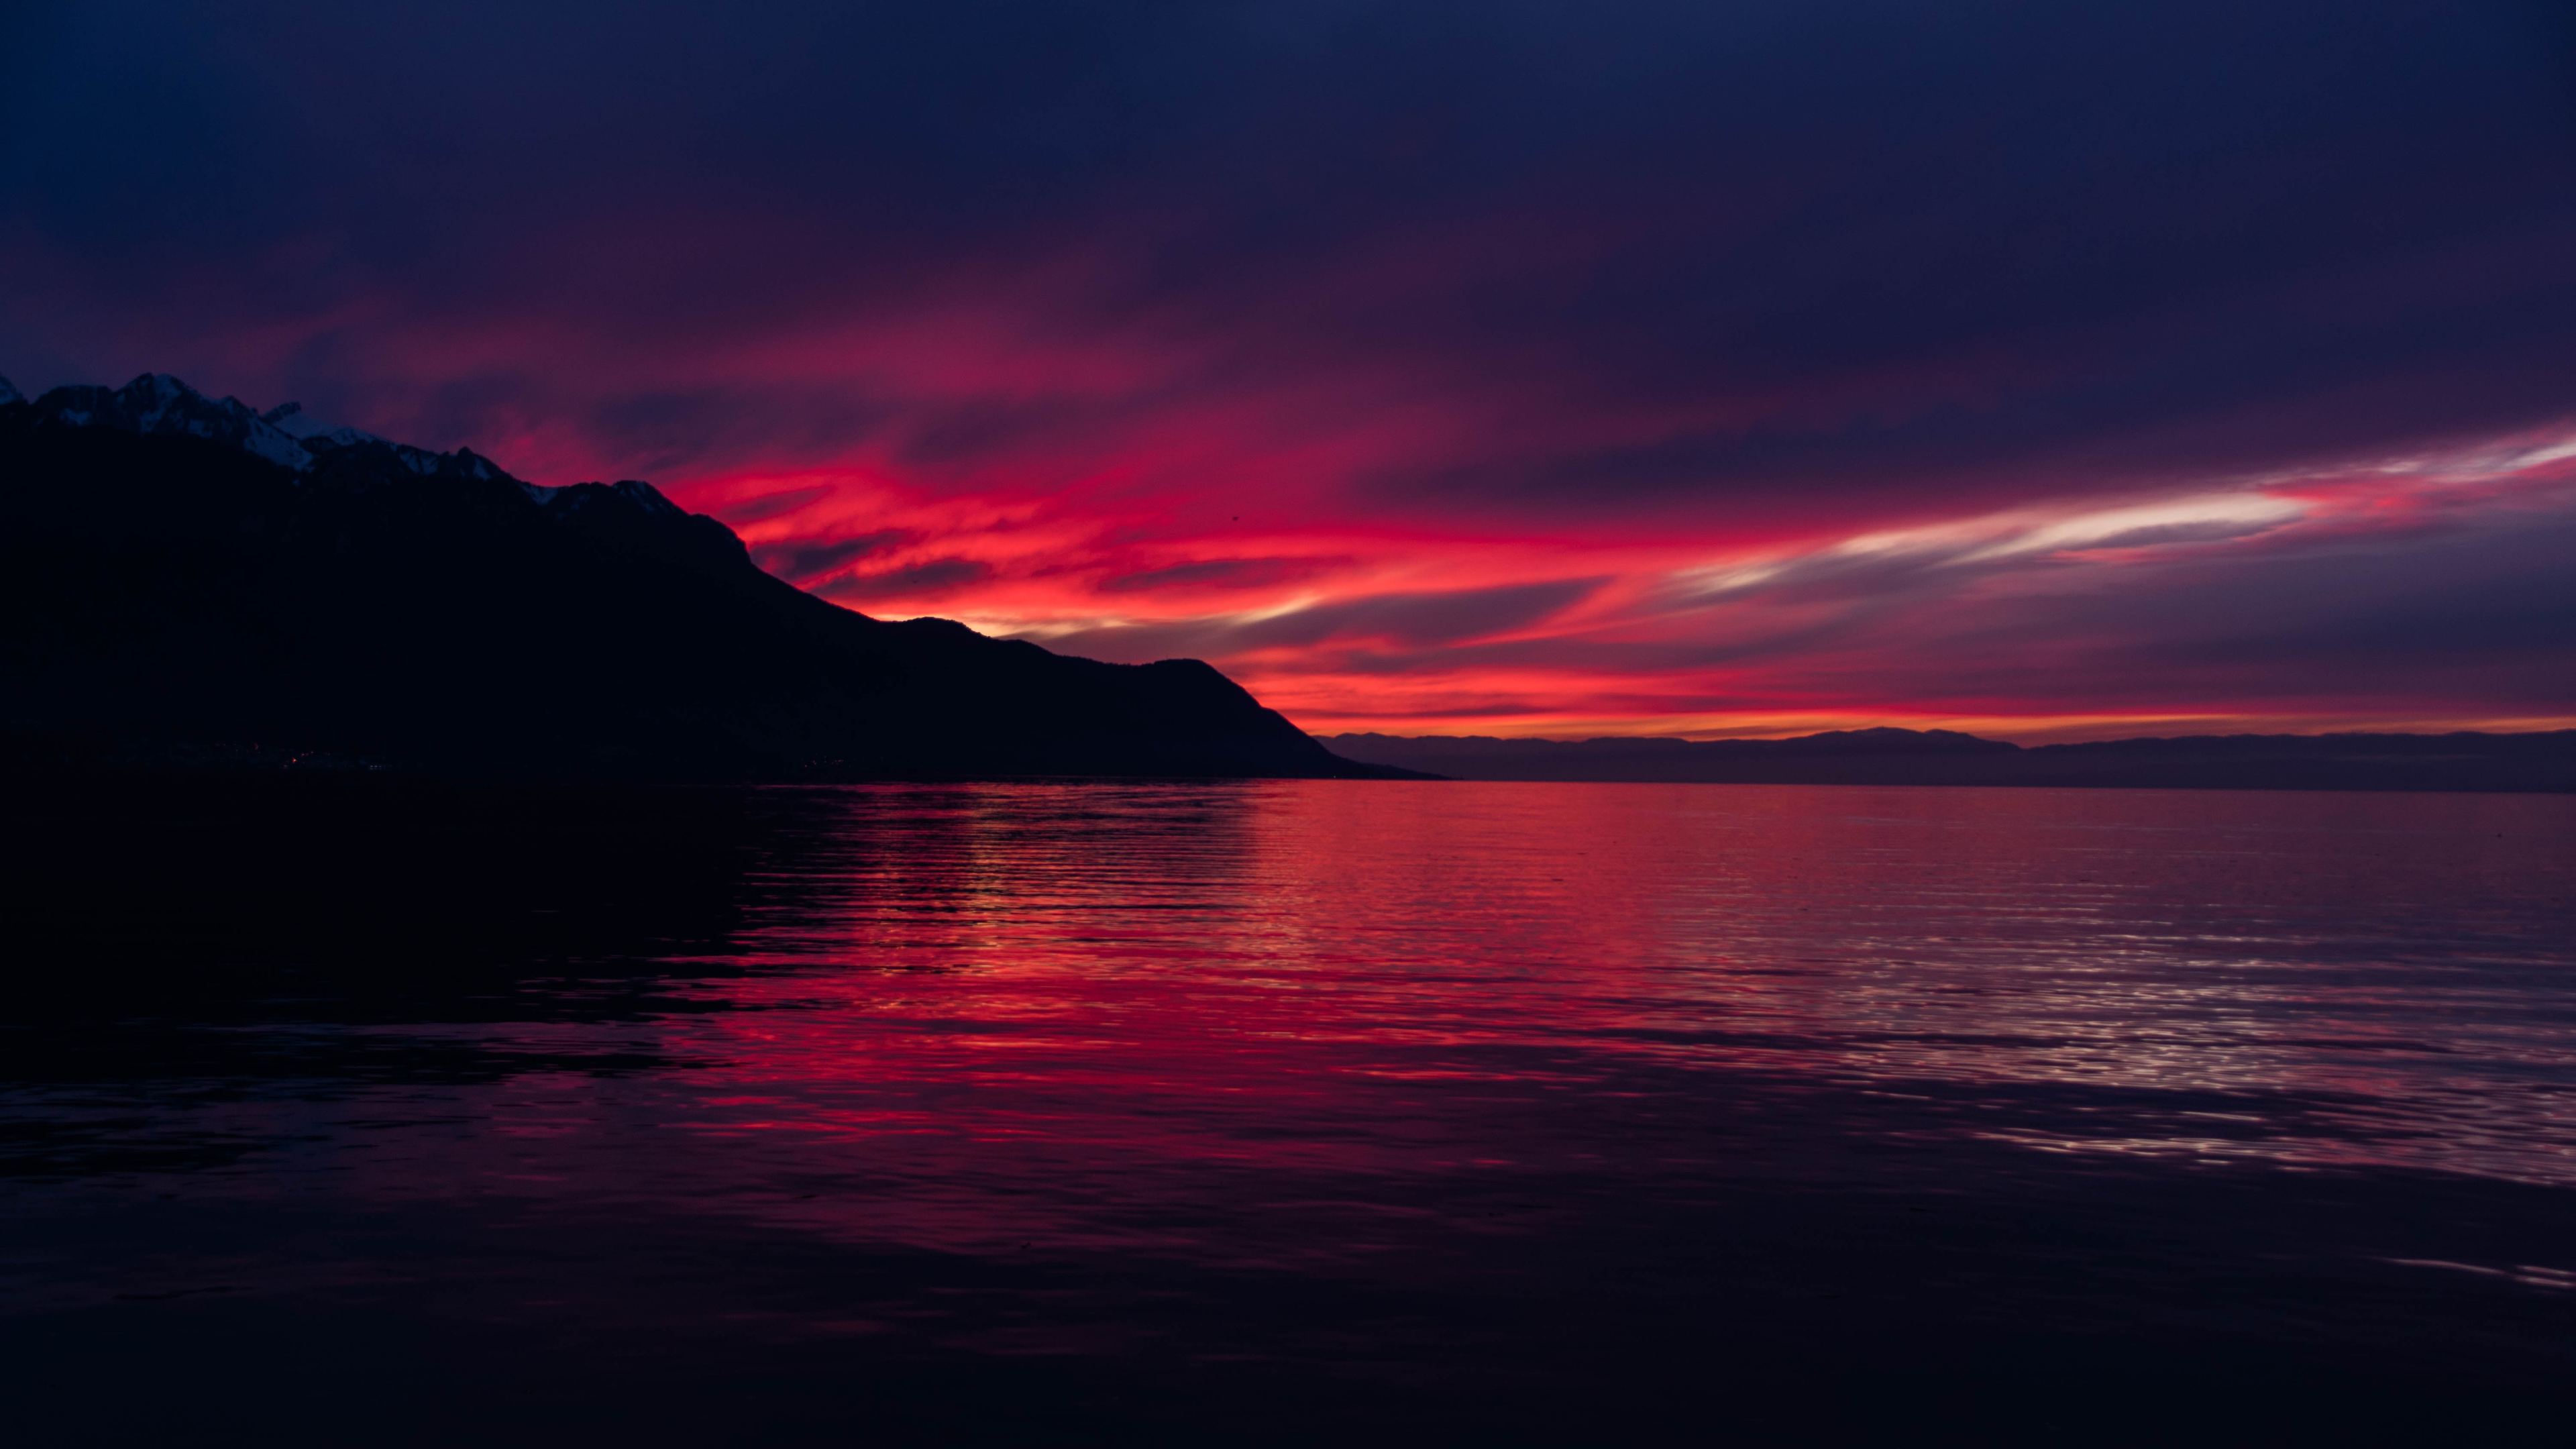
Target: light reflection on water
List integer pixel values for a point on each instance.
(2343, 979)
(1522, 1061)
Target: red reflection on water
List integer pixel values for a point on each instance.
(1284, 1022)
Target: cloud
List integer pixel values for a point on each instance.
(929, 579)
(805, 560)
(1220, 573)
(1403, 619)
(1445, 356)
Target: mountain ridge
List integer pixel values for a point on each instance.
(188, 580)
(2539, 762)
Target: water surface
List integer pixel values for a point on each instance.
(1405, 1111)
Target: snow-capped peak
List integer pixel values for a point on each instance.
(287, 435)
(159, 403)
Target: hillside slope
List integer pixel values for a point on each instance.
(183, 580)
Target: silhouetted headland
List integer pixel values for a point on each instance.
(2542, 762)
(189, 582)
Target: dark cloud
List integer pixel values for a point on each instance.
(806, 560)
(1872, 247)
(2487, 610)
(925, 580)
(765, 506)
(666, 431)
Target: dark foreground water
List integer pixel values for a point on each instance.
(344, 1112)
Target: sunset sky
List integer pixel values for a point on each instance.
(2052, 371)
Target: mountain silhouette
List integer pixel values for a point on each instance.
(2461, 761)
(188, 581)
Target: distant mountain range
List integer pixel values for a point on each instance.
(2529, 762)
(187, 581)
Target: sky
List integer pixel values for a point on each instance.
(1709, 368)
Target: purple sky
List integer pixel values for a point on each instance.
(2044, 370)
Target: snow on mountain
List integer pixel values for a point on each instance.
(159, 403)
(287, 434)
(278, 448)
(292, 438)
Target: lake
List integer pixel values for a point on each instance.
(347, 1110)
